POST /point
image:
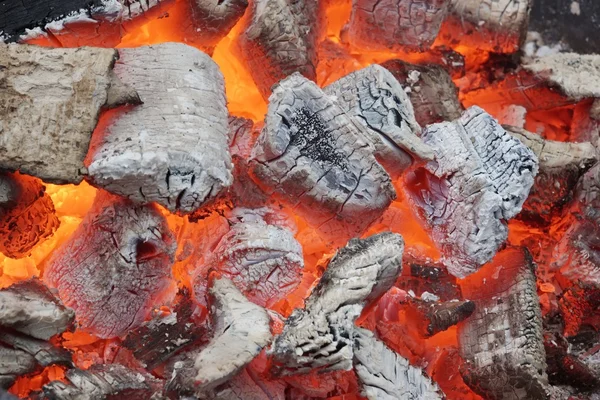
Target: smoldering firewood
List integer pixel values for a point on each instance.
(214, 19)
(114, 265)
(385, 375)
(428, 278)
(27, 214)
(14, 363)
(395, 24)
(315, 158)
(481, 177)
(376, 99)
(432, 93)
(502, 342)
(44, 352)
(172, 149)
(51, 100)
(279, 39)
(435, 317)
(320, 335)
(101, 382)
(30, 308)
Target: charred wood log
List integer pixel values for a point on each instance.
(44, 353)
(481, 177)
(50, 102)
(315, 158)
(26, 214)
(214, 19)
(434, 317)
(432, 93)
(320, 335)
(396, 24)
(374, 97)
(502, 342)
(279, 39)
(423, 278)
(30, 308)
(14, 363)
(385, 375)
(114, 265)
(178, 156)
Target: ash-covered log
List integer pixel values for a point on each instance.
(27, 214)
(281, 38)
(214, 19)
(396, 24)
(172, 149)
(375, 98)
(432, 93)
(30, 308)
(321, 334)
(114, 265)
(502, 342)
(45, 353)
(385, 375)
(14, 363)
(316, 159)
(480, 179)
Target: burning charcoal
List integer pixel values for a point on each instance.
(44, 353)
(578, 305)
(26, 214)
(432, 93)
(385, 375)
(395, 25)
(481, 178)
(280, 39)
(433, 279)
(320, 335)
(492, 25)
(30, 308)
(14, 363)
(172, 149)
(101, 382)
(502, 342)
(51, 99)
(316, 158)
(437, 317)
(114, 265)
(577, 254)
(377, 100)
(214, 19)
(244, 386)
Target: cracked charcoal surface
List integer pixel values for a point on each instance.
(45, 353)
(172, 149)
(321, 334)
(114, 265)
(14, 363)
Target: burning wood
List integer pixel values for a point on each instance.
(177, 157)
(315, 158)
(44, 353)
(434, 317)
(433, 279)
(395, 25)
(320, 335)
(502, 342)
(281, 38)
(215, 18)
(114, 266)
(26, 214)
(51, 101)
(374, 97)
(432, 93)
(481, 177)
(385, 375)
(14, 363)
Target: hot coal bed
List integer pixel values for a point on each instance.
(299, 199)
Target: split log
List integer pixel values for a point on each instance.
(14, 363)
(281, 38)
(114, 265)
(27, 214)
(320, 335)
(172, 149)
(393, 25)
(502, 342)
(375, 98)
(101, 382)
(30, 308)
(214, 19)
(492, 25)
(385, 375)
(50, 103)
(432, 93)
(44, 353)
(481, 178)
(316, 159)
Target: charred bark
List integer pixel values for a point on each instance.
(320, 335)
(377, 100)
(396, 24)
(50, 100)
(481, 177)
(44, 353)
(114, 265)
(172, 149)
(315, 158)
(14, 363)
(214, 19)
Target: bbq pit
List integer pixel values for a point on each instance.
(299, 199)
